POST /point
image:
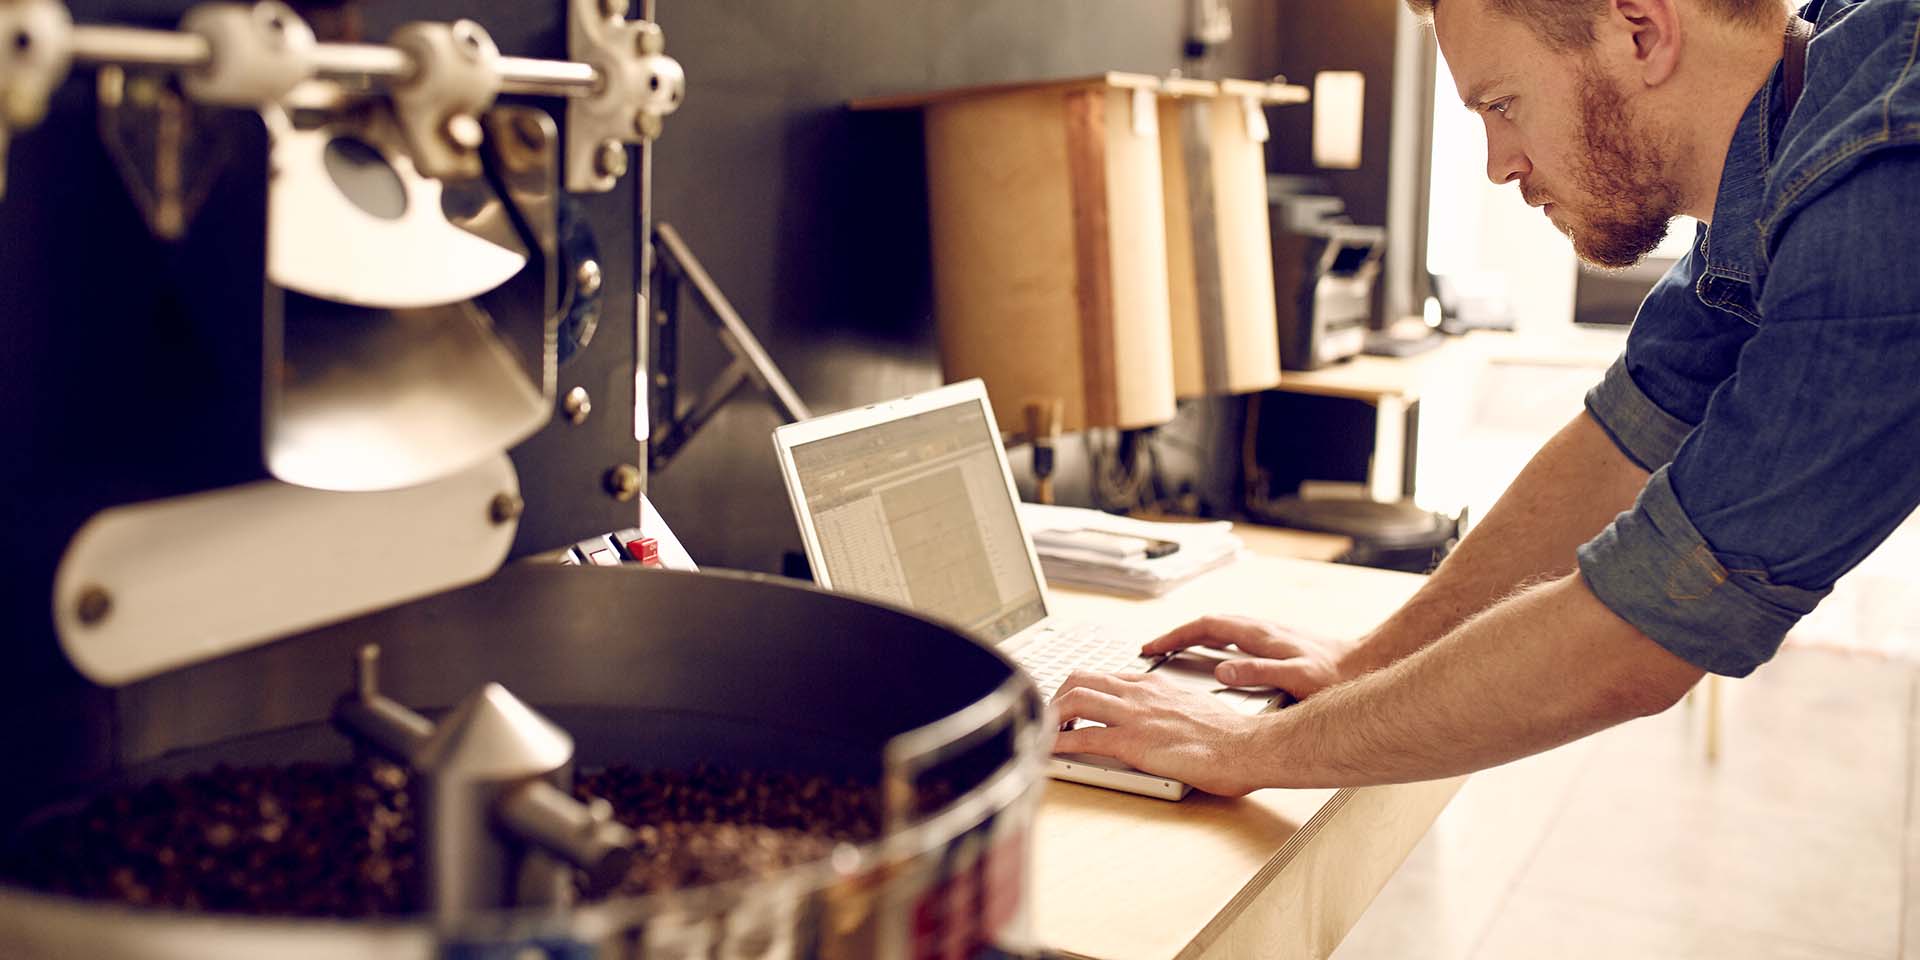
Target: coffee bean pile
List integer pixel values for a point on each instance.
(315, 840)
(309, 840)
(708, 825)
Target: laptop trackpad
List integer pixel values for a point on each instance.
(1192, 669)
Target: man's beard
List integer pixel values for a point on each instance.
(1633, 199)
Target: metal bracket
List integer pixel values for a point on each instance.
(638, 86)
(167, 157)
(674, 265)
(456, 75)
(36, 47)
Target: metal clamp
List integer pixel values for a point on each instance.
(639, 86)
(257, 53)
(36, 47)
(456, 76)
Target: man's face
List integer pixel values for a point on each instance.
(1562, 127)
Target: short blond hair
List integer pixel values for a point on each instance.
(1568, 24)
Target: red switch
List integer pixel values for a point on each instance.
(646, 550)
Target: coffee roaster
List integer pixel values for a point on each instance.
(322, 330)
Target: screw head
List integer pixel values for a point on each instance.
(647, 124)
(611, 159)
(505, 508)
(649, 39)
(93, 606)
(623, 482)
(577, 405)
(464, 131)
(587, 277)
(470, 39)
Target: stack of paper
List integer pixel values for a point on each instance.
(1087, 548)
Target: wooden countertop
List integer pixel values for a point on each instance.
(1279, 873)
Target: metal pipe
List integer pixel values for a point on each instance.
(556, 78)
(134, 46)
(337, 60)
(585, 835)
(137, 47)
(379, 721)
(385, 724)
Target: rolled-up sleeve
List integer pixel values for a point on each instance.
(1647, 434)
(1806, 457)
(1678, 352)
(1653, 567)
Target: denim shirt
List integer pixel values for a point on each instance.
(1771, 382)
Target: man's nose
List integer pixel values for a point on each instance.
(1505, 159)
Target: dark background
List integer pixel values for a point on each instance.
(813, 219)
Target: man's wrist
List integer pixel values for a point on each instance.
(1358, 658)
(1254, 753)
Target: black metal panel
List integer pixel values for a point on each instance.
(562, 468)
(131, 368)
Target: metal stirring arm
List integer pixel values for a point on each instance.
(498, 830)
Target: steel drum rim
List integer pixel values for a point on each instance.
(1012, 786)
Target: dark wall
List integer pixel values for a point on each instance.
(813, 219)
(1347, 35)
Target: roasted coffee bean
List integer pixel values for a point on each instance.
(341, 841)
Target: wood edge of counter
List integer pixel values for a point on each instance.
(1250, 892)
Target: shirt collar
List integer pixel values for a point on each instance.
(1733, 239)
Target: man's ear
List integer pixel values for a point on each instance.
(1648, 32)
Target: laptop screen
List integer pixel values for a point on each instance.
(916, 511)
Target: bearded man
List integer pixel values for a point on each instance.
(1756, 440)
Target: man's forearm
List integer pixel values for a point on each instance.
(1544, 667)
(1570, 491)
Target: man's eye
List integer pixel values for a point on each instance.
(1501, 107)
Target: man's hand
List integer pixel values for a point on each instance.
(1300, 663)
(1159, 728)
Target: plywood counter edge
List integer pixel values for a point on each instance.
(1264, 876)
(1256, 884)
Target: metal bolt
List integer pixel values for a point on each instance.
(94, 605)
(613, 9)
(467, 35)
(599, 814)
(611, 159)
(366, 671)
(464, 131)
(647, 124)
(505, 508)
(577, 405)
(623, 482)
(652, 40)
(587, 277)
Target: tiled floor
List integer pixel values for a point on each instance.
(1802, 841)
(1799, 842)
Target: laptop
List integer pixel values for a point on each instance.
(910, 501)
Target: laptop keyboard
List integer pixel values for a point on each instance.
(1057, 652)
